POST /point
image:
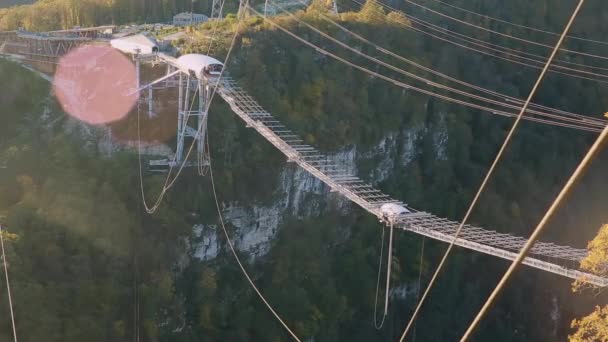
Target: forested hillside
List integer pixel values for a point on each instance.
(87, 263)
(57, 14)
(72, 258)
(9, 3)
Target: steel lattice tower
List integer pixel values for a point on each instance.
(331, 5)
(216, 9)
(193, 98)
(334, 7)
(243, 9)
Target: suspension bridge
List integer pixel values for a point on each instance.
(546, 256)
(549, 257)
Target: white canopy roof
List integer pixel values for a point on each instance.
(392, 209)
(196, 62)
(131, 43)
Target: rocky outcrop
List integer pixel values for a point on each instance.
(300, 194)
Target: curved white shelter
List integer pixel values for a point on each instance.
(392, 210)
(201, 65)
(137, 44)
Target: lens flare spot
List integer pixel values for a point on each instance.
(96, 84)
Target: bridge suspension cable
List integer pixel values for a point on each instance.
(419, 283)
(595, 148)
(504, 97)
(490, 172)
(8, 285)
(495, 53)
(491, 46)
(538, 59)
(424, 91)
(518, 25)
(508, 36)
(377, 325)
(238, 260)
(578, 120)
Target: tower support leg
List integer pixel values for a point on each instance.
(216, 9)
(202, 118)
(243, 9)
(150, 104)
(180, 120)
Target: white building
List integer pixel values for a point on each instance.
(135, 44)
(188, 18)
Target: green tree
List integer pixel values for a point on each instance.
(372, 12)
(596, 262)
(592, 328)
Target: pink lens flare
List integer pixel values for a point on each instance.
(96, 84)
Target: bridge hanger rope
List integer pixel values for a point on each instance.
(377, 325)
(8, 285)
(442, 31)
(420, 268)
(238, 260)
(599, 124)
(420, 90)
(508, 36)
(492, 168)
(449, 78)
(518, 25)
(168, 185)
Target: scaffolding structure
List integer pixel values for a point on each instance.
(193, 96)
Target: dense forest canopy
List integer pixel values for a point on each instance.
(9, 3)
(550, 15)
(88, 265)
(47, 15)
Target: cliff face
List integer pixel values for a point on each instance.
(301, 195)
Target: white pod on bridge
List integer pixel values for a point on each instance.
(392, 210)
(202, 66)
